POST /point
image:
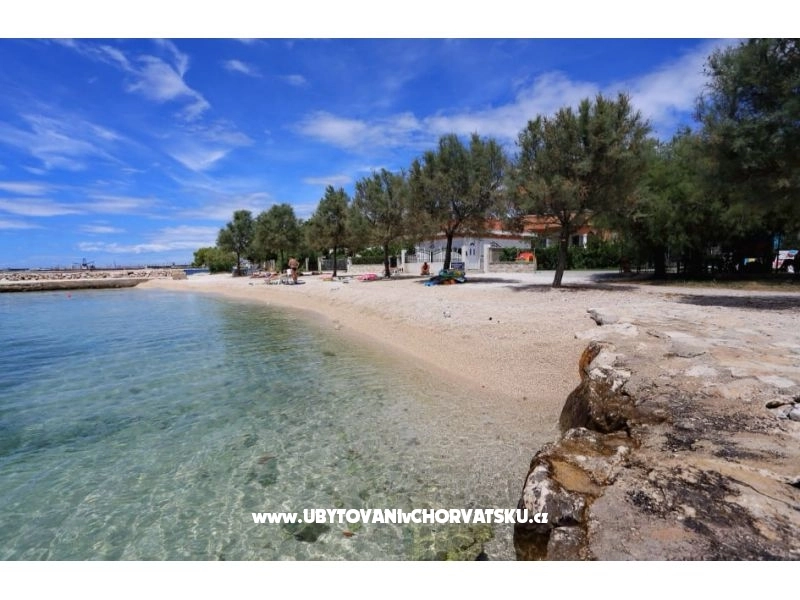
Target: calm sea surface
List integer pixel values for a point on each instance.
(142, 424)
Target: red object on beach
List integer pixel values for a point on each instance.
(367, 277)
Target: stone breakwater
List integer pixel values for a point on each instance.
(26, 281)
(679, 444)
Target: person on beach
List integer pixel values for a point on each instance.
(426, 270)
(294, 265)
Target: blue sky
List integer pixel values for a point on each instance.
(137, 151)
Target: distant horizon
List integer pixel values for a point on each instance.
(137, 151)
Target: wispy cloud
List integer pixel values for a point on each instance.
(669, 92)
(9, 224)
(296, 80)
(101, 229)
(666, 96)
(357, 134)
(63, 141)
(199, 148)
(118, 205)
(334, 180)
(237, 66)
(221, 206)
(178, 238)
(198, 158)
(25, 188)
(34, 207)
(545, 96)
(157, 78)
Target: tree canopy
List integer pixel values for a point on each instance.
(455, 187)
(750, 115)
(577, 164)
(215, 259)
(237, 236)
(328, 228)
(382, 202)
(277, 233)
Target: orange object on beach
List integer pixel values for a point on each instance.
(526, 256)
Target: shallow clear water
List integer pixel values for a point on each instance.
(142, 424)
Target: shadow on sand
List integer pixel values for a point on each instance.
(574, 287)
(751, 302)
(479, 279)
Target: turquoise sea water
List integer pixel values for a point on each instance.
(149, 425)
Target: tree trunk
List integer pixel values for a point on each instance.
(448, 251)
(334, 261)
(561, 265)
(238, 265)
(387, 272)
(660, 262)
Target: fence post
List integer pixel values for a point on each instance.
(487, 254)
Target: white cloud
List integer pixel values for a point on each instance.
(397, 130)
(101, 229)
(200, 148)
(118, 205)
(35, 207)
(237, 66)
(157, 79)
(116, 56)
(198, 159)
(296, 80)
(8, 224)
(61, 141)
(223, 205)
(181, 59)
(671, 91)
(334, 180)
(24, 188)
(545, 96)
(665, 96)
(182, 237)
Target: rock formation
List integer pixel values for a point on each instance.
(28, 281)
(673, 447)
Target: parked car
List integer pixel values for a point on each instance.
(785, 261)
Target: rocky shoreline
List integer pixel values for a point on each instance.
(673, 447)
(29, 281)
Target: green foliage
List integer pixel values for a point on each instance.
(751, 130)
(598, 254)
(215, 259)
(734, 184)
(237, 236)
(675, 212)
(329, 227)
(382, 211)
(277, 233)
(373, 259)
(456, 187)
(509, 254)
(581, 163)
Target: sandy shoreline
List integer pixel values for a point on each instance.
(507, 338)
(506, 341)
